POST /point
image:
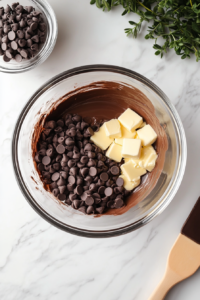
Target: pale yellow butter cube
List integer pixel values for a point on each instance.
(101, 139)
(136, 136)
(113, 128)
(114, 152)
(131, 171)
(131, 148)
(130, 120)
(147, 159)
(129, 185)
(143, 124)
(125, 134)
(147, 135)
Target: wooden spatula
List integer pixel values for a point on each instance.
(184, 258)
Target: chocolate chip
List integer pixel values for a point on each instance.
(51, 170)
(84, 196)
(53, 185)
(120, 181)
(115, 170)
(35, 38)
(60, 149)
(90, 210)
(109, 182)
(62, 197)
(70, 187)
(83, 125)
(50, 152)
(24, 53)
(72, 196)
(100, 210)
(88, 179)
(6, 29)
(93, 171)
(111, 204)
(14, 45)
(56, 192)
(89, 200)
(7, 9)
(93, 187)
(4, 47)
(101, 190)
(76, 203)
(104, 176)
(28, 8)
(73, 171)
(38, 157)
(97, 201)
(84, 159)
(71, 163)
(11, 35)
(78, 190)
(64, 174)
(46, 160)
(40, 167)
(82, 209)
(62, 189)
(61, 181)
(84, 172)
(119, 203)
(108, 191)
(71, 180)
(46, 175)
(20, 34)
(56, 166)
(9, 53)
(55, 176)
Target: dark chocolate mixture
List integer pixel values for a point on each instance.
(102, 101)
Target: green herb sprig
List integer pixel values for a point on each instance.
(176, 21)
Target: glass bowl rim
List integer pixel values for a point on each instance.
(47, 49)
(182, 147)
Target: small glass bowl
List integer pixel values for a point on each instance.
(66, 218)
(51, 36)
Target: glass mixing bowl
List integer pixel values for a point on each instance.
(65, 217)
(52, 31)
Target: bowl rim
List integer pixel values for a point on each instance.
(169, 194)
(45, 51)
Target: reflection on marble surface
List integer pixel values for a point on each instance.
(38, 261)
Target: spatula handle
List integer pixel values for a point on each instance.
(169, 280)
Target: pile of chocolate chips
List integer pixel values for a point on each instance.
(77, 172)
(22, 30)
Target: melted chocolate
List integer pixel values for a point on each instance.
(101, 101)
(191, 228)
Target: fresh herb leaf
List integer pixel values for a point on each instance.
(176, 21)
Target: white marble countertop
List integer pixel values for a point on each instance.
(38, 261)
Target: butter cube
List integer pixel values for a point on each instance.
(125, 134)
(131, 171)
(129, 185)
(114, 152)
(147, 135)
(130, 120)
(143, 124)
(131, 148)
(136, 136)
(113, 128)
(101, 139)
(147, 159)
